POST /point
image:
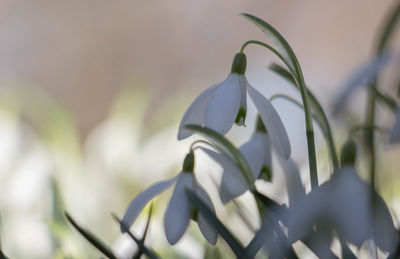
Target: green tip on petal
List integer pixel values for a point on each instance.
(239, 64)
(260, 127)
(241, 116)
(265, 174)
(349, 153)
(188, 163)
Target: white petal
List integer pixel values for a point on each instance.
(233, 182)
(231, 187)
(307, 211)
(254, 151)
(386, 235)
(272, 122)
(354, 209)
(223, 108)
(137, 205)
(196, 111)
(394, 136)
(178, 214)
(350, 207)
(206, 229)
(294, 186)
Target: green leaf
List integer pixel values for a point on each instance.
(140, 243)
(278, 41)
(286, 51)
(212, 219)
(318, 112)
(139, 253)
(388, 28)
(227, 147)
(96, 242)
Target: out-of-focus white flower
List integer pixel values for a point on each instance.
(179, 210)
(294, 187)
(223, 104)
(256, 151)
(344, 203)
(394, 135)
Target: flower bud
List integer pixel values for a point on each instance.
(349, 153)
(239, 64)
(188, 163)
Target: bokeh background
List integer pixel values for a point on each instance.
(92, 92)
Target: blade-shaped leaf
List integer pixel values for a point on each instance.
(278, 41)
(140, 243)
(227, 147)
(257, 242)
(96, 242)
(212, 219)
(388, 28)
(317, 109)
(287, 51)
(139, 253)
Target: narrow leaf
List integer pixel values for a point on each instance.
(212, 219)
(277, 40)
(389, 26)
(140, 243)
(139, 253)
(102, 247)
(318, 112)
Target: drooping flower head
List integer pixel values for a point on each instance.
(224, 104)
(179, 211)
(257, 152)
(347, 204)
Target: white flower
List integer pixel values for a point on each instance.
(294, 186)
(179, 210)
(223, 104)
(344, 203)
(394, 135)
(258, 155)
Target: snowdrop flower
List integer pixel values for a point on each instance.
(394, 135)
(344, 203)
(223, 104)
(179, 210)
(257, 152)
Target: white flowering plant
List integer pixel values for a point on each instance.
(345, 209)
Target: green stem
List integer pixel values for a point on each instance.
(307, 111)
(312, 160)
(325, 131)
(318, 113)
(269, 47)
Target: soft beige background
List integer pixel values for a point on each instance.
(82, 52)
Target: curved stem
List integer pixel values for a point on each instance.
(318, 112)
(332, 151)
(312, 160)
(193, 148)
(270, 48)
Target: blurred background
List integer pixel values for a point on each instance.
(92, 92)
